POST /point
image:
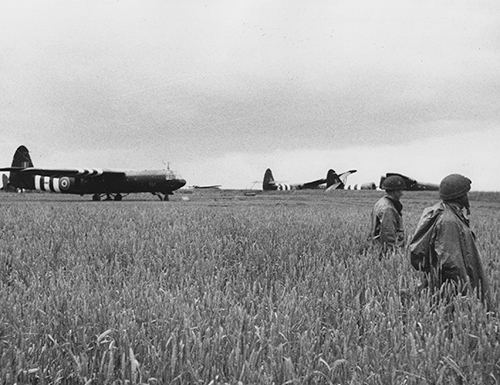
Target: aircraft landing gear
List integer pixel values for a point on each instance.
(109, 196)
(163, 197)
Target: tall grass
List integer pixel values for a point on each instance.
(281, 290)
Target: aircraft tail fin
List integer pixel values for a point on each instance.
(337, 182)
(22, 158)
(331, 178)
(268, 182)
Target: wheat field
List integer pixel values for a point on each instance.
(218, 287)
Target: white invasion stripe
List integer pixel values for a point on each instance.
(46, 183)
(284, 187)
(99, 171)
(37, 182)
(55, 184)
(81, 171)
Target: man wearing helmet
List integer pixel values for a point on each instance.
(386, 219)
(444, 247)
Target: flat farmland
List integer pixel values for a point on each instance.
(219, 287)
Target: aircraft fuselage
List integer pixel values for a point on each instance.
(81, 181)
(154, 181)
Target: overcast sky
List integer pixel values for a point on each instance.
(224, 89)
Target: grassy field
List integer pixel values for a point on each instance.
(218, 287)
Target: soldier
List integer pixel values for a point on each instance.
(386, 219)
(444, 247)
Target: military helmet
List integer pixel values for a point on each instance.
(454, 186)
(393, 182)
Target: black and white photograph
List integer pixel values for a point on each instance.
(249, 192)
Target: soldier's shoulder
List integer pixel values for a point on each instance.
(430, 214)
(448, 218)
(382, 203)
(434, 210)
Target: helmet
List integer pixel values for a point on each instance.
(454, 186)
(393, 182)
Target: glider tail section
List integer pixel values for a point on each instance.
(268, 182)
(332, 178)
(337, 182)
(21, 159)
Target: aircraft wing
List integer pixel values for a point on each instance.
(313, 184)
(62, 172)
(344, 175)
(213, 186)
(333, 186)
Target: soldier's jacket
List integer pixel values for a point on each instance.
(444, 247)
(387, 223)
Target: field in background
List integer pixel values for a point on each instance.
(222, 287)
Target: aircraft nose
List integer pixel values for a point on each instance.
(180, 183)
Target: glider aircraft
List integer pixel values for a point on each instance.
(211, 187)
(411, 184)
(331, 182)
(99, 183)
